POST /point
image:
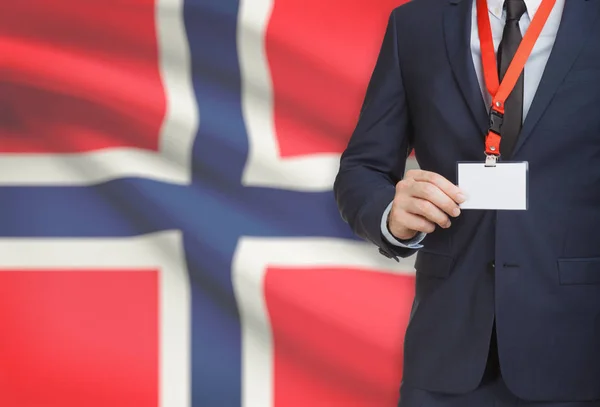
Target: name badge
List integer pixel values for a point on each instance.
(502, 186)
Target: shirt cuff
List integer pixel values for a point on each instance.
(413, 243)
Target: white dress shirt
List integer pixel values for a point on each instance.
(534, 68)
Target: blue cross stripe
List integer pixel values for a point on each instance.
(213, 212)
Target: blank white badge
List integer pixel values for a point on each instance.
(503, 187)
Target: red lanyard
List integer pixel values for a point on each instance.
(501, 91)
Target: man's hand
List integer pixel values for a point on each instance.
(423, 199)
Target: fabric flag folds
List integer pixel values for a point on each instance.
(168, 234)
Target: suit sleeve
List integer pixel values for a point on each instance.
(375, 158)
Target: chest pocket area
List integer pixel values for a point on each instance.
(584, 75)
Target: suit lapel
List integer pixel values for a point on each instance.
(457, 34)
(577, 20)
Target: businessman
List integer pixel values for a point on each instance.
(507, 303)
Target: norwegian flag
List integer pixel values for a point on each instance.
(168, 232)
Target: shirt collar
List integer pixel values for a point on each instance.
(496, 7)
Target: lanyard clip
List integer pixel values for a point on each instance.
(490, 160)
(492, 141)
(496, 120)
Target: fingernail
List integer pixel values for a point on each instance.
(448, 225)
(461, 198)
(456, 212)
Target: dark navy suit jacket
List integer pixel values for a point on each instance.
(544, 290)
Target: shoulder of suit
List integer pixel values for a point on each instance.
(414, 16)
(417, 8)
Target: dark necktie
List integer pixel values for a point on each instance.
(513, 107)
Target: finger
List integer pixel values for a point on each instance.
(415, 222)
(433, 194)
(429, 211)
(442, 183)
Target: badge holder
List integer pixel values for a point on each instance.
(494, 185)
(502, 186)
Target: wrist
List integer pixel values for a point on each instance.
(403, 234)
